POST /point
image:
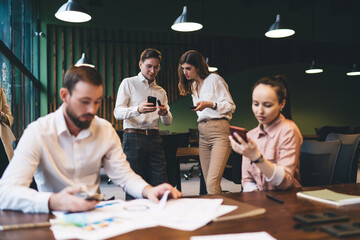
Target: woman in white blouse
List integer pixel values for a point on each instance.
(214, 107)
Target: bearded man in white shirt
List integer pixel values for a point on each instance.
(142, 143)
(64, 152)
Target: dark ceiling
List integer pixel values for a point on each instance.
(313, 20)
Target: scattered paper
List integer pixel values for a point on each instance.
(116, 217)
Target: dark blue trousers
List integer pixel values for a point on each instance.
(146, 156)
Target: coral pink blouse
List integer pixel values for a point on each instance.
(280, 144)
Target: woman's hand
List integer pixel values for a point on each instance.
(247, 149)
(202, 105)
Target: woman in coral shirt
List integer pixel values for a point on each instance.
(271, 155)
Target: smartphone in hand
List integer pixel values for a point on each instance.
(192, 107)
(158, 101)
(239, 130)
(152, 100)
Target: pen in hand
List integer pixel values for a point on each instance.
(274, 198)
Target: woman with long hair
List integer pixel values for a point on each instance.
(271, 155)
(214, 107)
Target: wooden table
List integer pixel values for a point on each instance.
(187, 153)
(277, 221)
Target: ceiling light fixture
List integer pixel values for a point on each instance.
(314, 68)
(211, 68)
(279, 29)
(355, 71)
(73, 12)
(84, 61)
(185, 23)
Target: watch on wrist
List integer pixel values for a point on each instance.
(260, 159)
(215, 106)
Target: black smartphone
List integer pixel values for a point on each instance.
(158, 101)
(152, 100)
(192, 107)
(239, 130)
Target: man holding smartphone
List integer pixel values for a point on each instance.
(142, 143)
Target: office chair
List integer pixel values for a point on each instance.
(346, 165)
(171, 143)
(233, 168)
(356, 130)
(325, 130)
(317, 161)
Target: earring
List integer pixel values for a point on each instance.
(281, 110)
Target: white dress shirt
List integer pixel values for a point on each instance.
(134, 91)
(58, 159)
(214, 89)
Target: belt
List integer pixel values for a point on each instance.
(213, 119)
(142, 131)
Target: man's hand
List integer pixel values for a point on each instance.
(66, 201)
(162, 110)
(155, 193)
(146, 107)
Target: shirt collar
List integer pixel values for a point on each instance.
(271, 130)
(143, 79)
(62, 127)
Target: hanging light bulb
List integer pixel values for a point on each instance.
(314, 68)
(185, 23)
(83, 61)
(72, 11)
(355, 71)
(279, 30)
(211, 68)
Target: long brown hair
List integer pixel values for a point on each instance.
(279, 83)
(195, 59)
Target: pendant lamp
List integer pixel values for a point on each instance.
(73, 12)
(314, 68)
(211, 68)
(279, 29)
(84, 61)
(355, 71)
(185, 23)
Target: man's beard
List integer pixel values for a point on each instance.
(76, 121)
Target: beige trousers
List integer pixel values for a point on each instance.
(214, 151)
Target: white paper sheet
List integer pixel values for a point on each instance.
(236, 236)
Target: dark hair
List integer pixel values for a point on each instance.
(279, 83)
(195, 59)
(150, 53)
(82, 73)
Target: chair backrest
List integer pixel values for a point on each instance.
(171, 143)
(193, 137)
(347, 161)
(317, 161)
(325, 130)
(356, 130)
